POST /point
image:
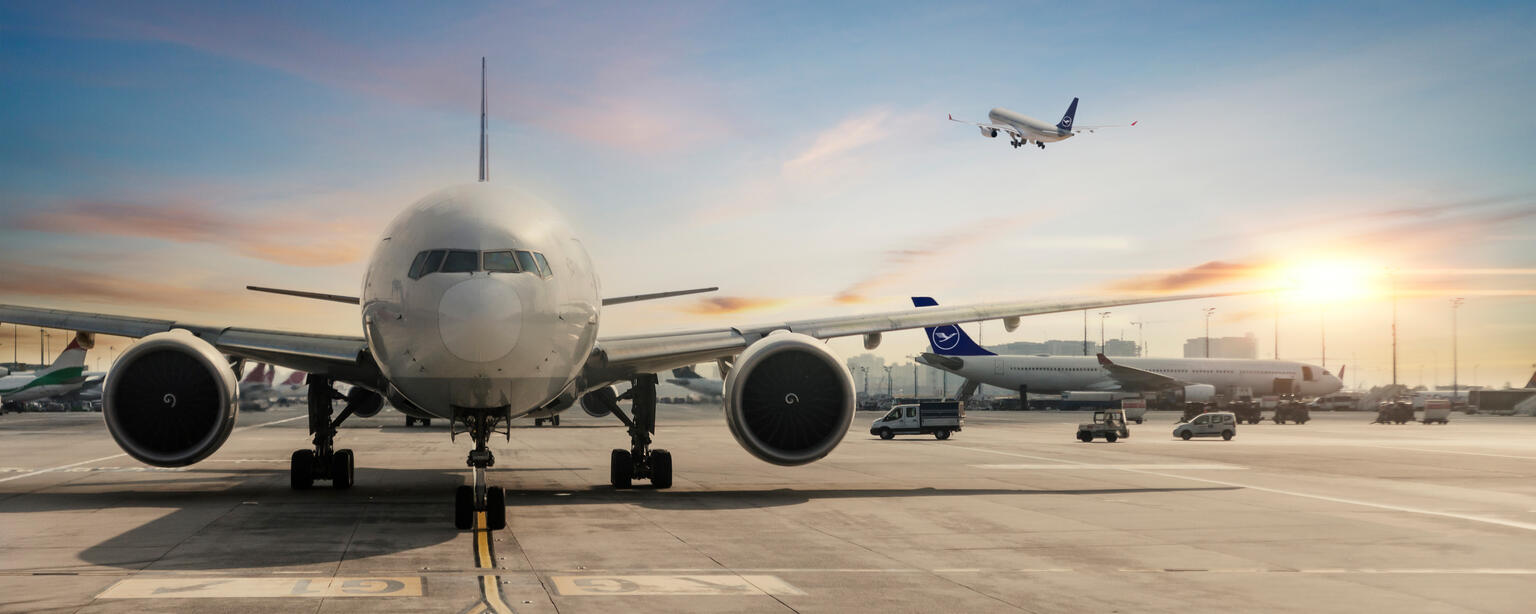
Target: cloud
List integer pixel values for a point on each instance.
(729, 304)
(853, 133)
(295, 240)
(54, 282)
(1200, 276)
(901, 263)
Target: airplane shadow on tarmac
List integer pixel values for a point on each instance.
(260, 522)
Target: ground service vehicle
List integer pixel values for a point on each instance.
(1246, 411)
(1108, 424)
(1221, 424)
(1292, 411)
(939, 418)
(1135, 410)
(1437, 410)
(1394, 412)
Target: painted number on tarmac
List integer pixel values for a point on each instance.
(202, 588)
(673, 585)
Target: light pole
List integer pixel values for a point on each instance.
(865, 370)
(1277, 327)
(1455, 384)
(1392, 283)
(1141, 340)
(915, 394)
(1085, 332)
(42, 350)
(1208, 312)
(888, 387)
(1103, 315)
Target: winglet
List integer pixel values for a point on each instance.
(1104, 361)
(1532, 383)
(1134, 123)
(1342, 368)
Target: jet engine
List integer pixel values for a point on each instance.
(1199, 393)
(171, 399)
(990, 133)
(789, 400)
(363, 402)
(598, 402)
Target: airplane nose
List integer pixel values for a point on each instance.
(480, 319)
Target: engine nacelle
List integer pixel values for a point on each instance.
(171, 400)
(990, 133)
(598, 403)
(363, 402)
(1199, 393)
(789, 400)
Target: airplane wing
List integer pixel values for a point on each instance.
(1001, 127)
(1133, 379)
(618, 358)
(341, 357)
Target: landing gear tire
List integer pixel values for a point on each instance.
(554, 420)
(495, 508)
(409, 422)
(538, 422)
(621, 469)
(464, 507)
(661, 469)
(341, 469)
(941, 435)
(301, 470)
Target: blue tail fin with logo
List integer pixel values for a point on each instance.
(949, 339)
(1066, 120)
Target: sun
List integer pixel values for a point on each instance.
(1328, 282)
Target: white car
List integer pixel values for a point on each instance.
(1221, 424)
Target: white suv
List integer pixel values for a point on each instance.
(1214, 424)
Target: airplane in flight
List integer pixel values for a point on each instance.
(480, 305)
(65, 376)
(688, 378)
(1023, 129)
(1197, 379)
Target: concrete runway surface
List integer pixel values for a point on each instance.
(1012, 514)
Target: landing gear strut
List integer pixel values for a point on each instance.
(324, 462)
(480, 424)
(639, 461)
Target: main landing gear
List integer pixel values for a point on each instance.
(412, 421)
(1042, 145)
(481, 423)
(324, 462)
(552, 420)
(639, 461)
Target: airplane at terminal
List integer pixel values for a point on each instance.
(1024, 129)
(480, 305)
(688, 378)
(1198, 379)
(65, 376)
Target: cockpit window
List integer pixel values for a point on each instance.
(526, 261)
(461, 262)
(434, 260)
(417, 265)
(500, 262)
(543, 265)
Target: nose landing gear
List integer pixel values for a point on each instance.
(480, 424)
(639, 461)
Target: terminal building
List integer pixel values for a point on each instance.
(1246, 346)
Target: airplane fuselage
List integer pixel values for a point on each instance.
(1032, 129)
(488, 326)
(1056, 374)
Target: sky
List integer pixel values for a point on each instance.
(157, 157)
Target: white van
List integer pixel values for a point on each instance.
(1221, 424)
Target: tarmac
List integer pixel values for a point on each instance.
(1011, 514)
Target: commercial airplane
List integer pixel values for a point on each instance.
(256, 392)
(66, 375)
(688, 378)
(1024, 129)
(480, 305)
(1199, 379)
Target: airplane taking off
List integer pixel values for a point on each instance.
(66, 375)
(1024, 129)
(1197, 378)
(480, 305)
(688, 378)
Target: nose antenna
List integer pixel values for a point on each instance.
(485, 153)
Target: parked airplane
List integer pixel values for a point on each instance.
(1198, 379)
(480, 305)
(66, 375)
(1024, 129)
(688, 378)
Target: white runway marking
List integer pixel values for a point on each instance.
(1216, 466)
(1384, 506)
(714, 584)
(1456, 452)
(228, 588)
(122, 454)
